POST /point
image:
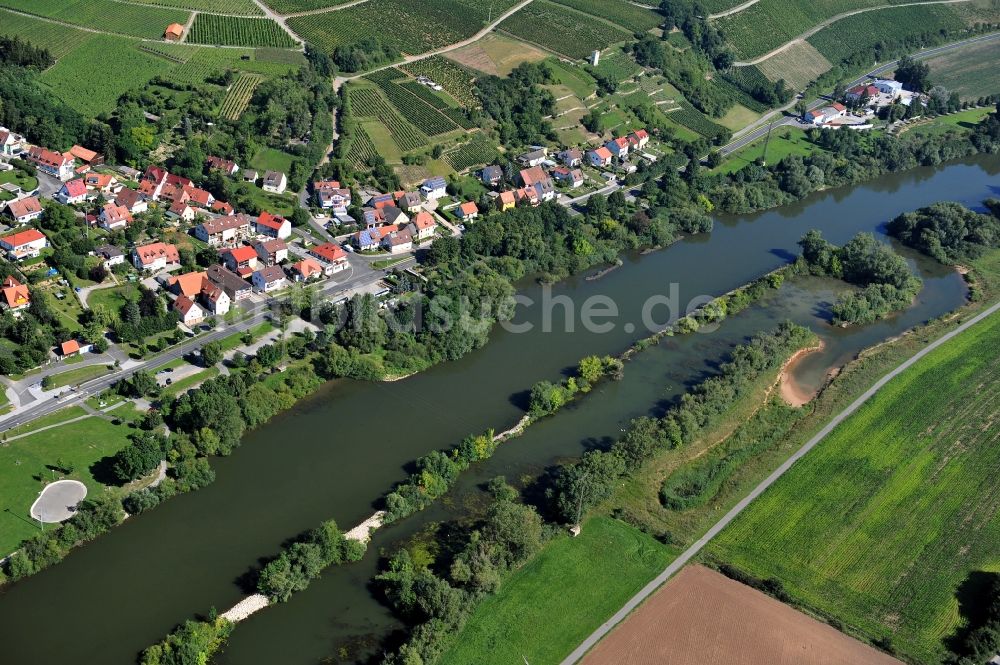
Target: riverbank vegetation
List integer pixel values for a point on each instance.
(948, 231)
(886, 283)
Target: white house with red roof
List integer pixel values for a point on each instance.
(105, 183)
(331, 196)
(333, 255)
(273, 226)
(11, 144)
(466, 212)
(56, 164)
(599, 157)
(72, 192)
(25, 210)
(227, 166)
(241, 260)
(638, 139)
(304, 270)
(25, 244)
(569, 177)
(182, 211)
(156, 256)
(191, 313)
(423, 225)
(618, 147)
(14, 296)
(114, 217)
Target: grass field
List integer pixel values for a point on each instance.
(784, 142)
(546, 608)
(270, 159)
(123, 67)
(797, 65)
(966, 120)
(79, 444)
(737, 117)
(76, 376)
(107, 15)
(881, 523)
(496, 54)
(112, 299)
(970, 71)
(562, 30)
(238, 31)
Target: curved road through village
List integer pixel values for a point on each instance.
(717, 528)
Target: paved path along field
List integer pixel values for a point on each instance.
(717, 528)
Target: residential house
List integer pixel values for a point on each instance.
(273, 226)
(638, 139)
(250, 175)
(274, 182)
(14, 296)
(468, 211)
(506, 201)
(105, 183)
(132, 201)
(599, 157)
(189, 284)
(537, 179)
(235, 286)
(174, 32)
(11, 144)
(191, 313)
(491, 176)
(571, 158)
(380, 201)
(408, 201)
(114, 217)
(72, 192)
(889, 87)
(528, 195)
(25, 210)
(367, 240)
(129, 173)
(181, 211)
(213, 298)
(270, 252)
(50, 162)
(25, 244)
(224, 231)
(271, 278)
(826, 114)
(199, 197)
(222, 208)
(86, 156)
(533, 158)
(568, 177)
(156, 256)
(423, 225)
(241, 260)
(331, 196)
(110, 256)
(393, 215)
(373, 217)
(618, 147)
(398, 242)
(304, 270)
(227, 166)
(434, 188)
(861, 92)
(333, 255)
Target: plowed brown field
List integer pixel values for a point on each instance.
(702, 617)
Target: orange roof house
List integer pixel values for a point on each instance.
(189, 284)
(506, 200)
(15, 295)
(70, 348)
(174, 32)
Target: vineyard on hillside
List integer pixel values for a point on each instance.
(241, 7)
(621, 12)
(422, 115)
(58, 39)
(107, 15)
(238, 97)
(481, 151)
(456, 80)
(369, 103)
(562, 30)
(237, 31)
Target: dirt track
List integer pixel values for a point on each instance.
(703, 618)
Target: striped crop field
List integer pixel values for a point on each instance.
(105, 15)
(207, 61)
(295, 6)
(239, 7)
(239, 95)
(557, 28)
(58, 39)
(799, 64)
(882, 523)
(620, 12)
(238, 31)
(369, 103)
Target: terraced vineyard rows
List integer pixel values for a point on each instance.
(362, 148)
(294, 6)
(422, 115)
(562, 30)
(479, 152)
(239, 95)
(409, 26)
(798, 65)
(738, 80)
(105, 15)
(621, 12)
(237, 31)
(864, 31)
(881, 524)
(785, 20)
(58, 39)
(370, 103)
(617, 65)
(695, 120)
(456, 80)
(207, 61)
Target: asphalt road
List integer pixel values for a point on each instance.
(689, 553)
(752, 136)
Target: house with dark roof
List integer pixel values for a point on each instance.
(274, 182)
(398, 242)
(235, 286)
(227, 166)
(534, 157)
(191, 314)
(224, 231)
(271, 278)
(571, 158)
(568, 177)
(434, 188)
(331, 196)
(491, 176)
(131, 200)
(271, 251)
(110, 256)
(11, 144)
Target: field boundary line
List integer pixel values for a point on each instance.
(717, 528)
(323, 10)
(833, 19)
(734, 10)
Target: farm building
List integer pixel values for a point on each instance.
(174, 32)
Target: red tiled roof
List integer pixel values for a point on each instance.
(270, 221)
(188, 284)
(24, 207)
(424, 220)
(603, 153)
(76, 187)
(82, 153)
(307, 268)
(329, 252)
(23, 237)
(153, 251)
(242, 253)
(468, 208)
(72, 346)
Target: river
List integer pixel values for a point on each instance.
(335, 453)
